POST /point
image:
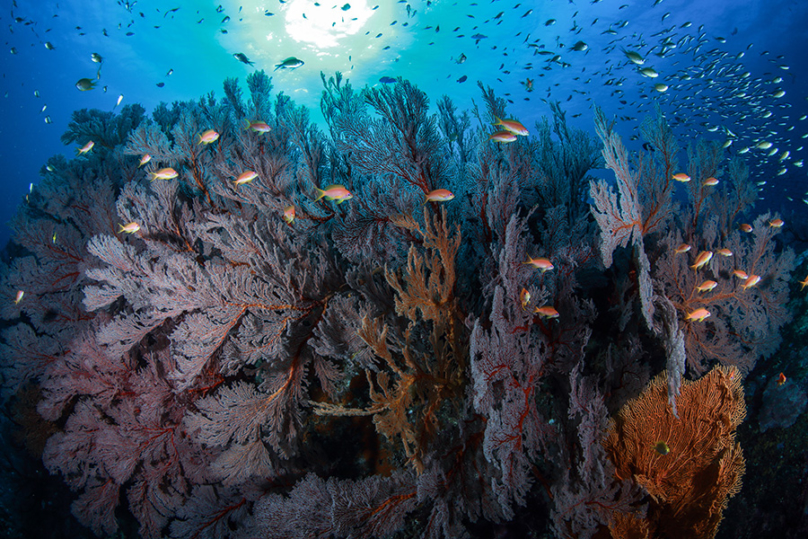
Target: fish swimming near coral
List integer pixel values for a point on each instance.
(334, 192)
(289, 63)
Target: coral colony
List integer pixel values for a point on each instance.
(237, 325)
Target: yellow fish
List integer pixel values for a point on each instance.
(129, 228)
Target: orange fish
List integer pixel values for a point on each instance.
(289, 214)
(710, 182)
(524, 298)
(750, 281)
(682, 249)
(541, 263)
(163, 174)
(258, 126)
(740, 274)
(513, 126)
(439, 195)
(681, 177)
(706, 286)
(129, 228)
(208, 137)
(781, 379)
(745, 227)
(776, 223)
(724, 252)
(702, 259)
(804, 282)
(698, 315)
(143, 160)
(86, 148)
(546, 311)
(334, 192)
(18, 298)
(502, 136)
(245, 177)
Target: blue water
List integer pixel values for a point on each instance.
(420, 41)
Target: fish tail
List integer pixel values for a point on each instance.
(498, 121)
(320, 194)
(152, 176)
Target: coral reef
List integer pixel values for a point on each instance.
(268, 331)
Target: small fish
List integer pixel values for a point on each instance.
(750, 281)
(804, 283)
(634, 57)
(682, 249)
(698, 315)
(580, 46)
(546, 311)
(710, 182)
(513, 126)
(346, 7)
(241, 57)
(387, 80)
(86, 148)
(129, 228)
(740, 274)
(724, 252)
(765, 145)
(745, 227)
(85, 85)
(776, 223)
(208, 137)
(461, 58)
(524, 298)
(541, 263)
(245, 177)
(464, 78)
(502, 136)
(289, 63)
(702, 259)
(334, 192)
(681, 177)
(163, 174)
(781, 379)
(649, 72)
(143, 160)
(528, 85)
(661, 88)
(289, 214)
(661, 448)
(706, 286)
(95, 57)
(49, 46)
(120, 98)
(160, 84)
(439, 195)
(258, 126)
(18, 298)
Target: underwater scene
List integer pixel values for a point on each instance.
(404, 268)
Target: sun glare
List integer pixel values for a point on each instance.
(324, 25)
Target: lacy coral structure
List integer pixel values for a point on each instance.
(235, 324)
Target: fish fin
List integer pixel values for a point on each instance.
(320, 194)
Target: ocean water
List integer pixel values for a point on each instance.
(730, 72)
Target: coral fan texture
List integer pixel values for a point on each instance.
(221, 358)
